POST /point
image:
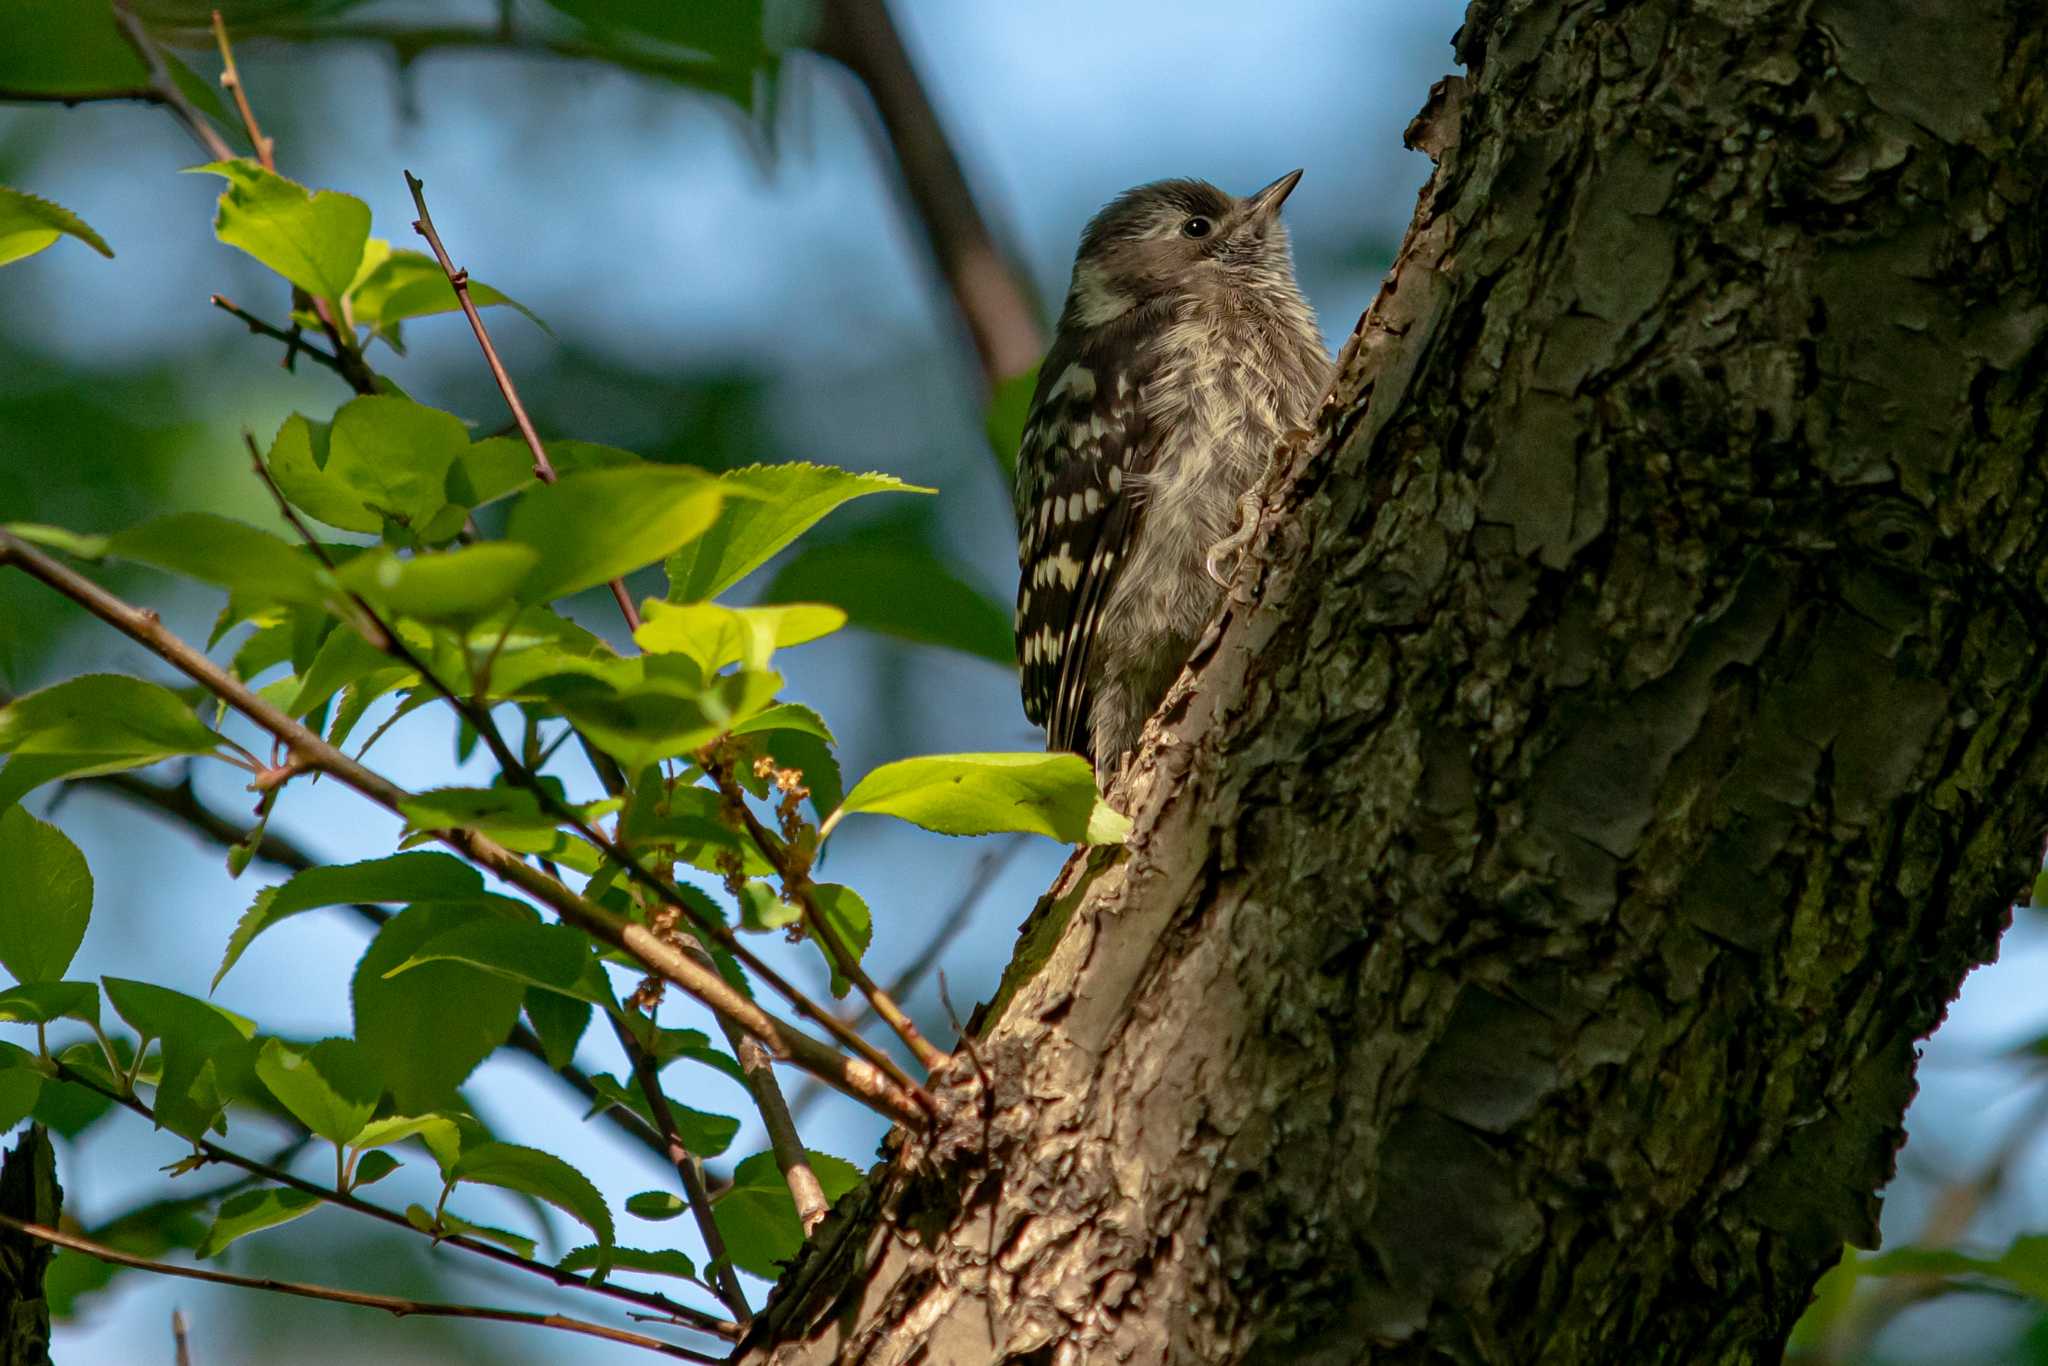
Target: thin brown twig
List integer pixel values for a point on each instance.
(883, 1088)
(180, 1336)
(294, 344)
(166, 87)
(458, 280)
(231, 81)
(796, 884)
(689, 1169)
(957, 918)
(349, 1200)
(783, 1140)
(391, 1304)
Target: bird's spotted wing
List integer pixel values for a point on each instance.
(1084, 440)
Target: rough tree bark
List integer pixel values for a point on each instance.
(1638, 734)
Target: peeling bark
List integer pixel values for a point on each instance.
(1638, 734)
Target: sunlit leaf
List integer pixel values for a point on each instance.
(393, 456)
(787, 501)
(208, 1058)
(331, 1087)
(315, 240)
(95, 723)
(252, 1212)
(452, 585)
(45, 897)
(714, 636)
(28, 224)
(411, 284)
(598, 525)
(980, 794)
(416, 877)
(42, 1002)
(452, 1226)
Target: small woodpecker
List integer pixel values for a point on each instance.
(1184, 353)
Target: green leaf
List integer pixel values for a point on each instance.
(454, 585)
(315, 240)
(400, 877)
(656, 1205)
(889, 577)
(95, 723)
(980, 794)
(465, 1013)
(647, 725)
(254, 565)
(42, 1002)
(28, 224)
(392, 455)
(45, 897)
(599, 525)
(372, 1167)
(552, 957)
(64, 49)
(331, 1088)
(345, 657)
(592, 1257)
(297, 461)
(21, 1085)
(786, 501)
(714, 636)
(450, 1226)
(559, 1022)
(439, 1133)
(411, 284)
(207, 1057)
(800, 748)
(253, 1211)
(757, 1216)
(846, 912)
(541, 1175)
(511, 815)
(706, 1135)
(82, 544)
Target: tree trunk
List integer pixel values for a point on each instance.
(1638, 735)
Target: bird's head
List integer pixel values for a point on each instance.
(1175, 238)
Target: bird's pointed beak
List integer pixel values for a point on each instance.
(1264, 206)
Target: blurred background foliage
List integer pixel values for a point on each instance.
(714, 224)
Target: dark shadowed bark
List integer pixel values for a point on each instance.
(1639, 732)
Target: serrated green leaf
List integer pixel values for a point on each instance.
(345, 657)
(314, 239)
(552, 957)
(541, 1175)
(891, 578)
(981, 794)
(439, 1133)
(252, 564)
(372, 1167)
(559, 1022)
(29, 223)
(42, 1002)
(332, 1087)
(297, 461)
(95, 723)
(714, 636)
(453, 585)
(411, 284)
(592, 1257)
(208, 1058)
(45, 897)
(598, 525)
(466, 1013)
(786, 501)
(253, 1211)
(418, 877)
(512, 815)
(757, 1216)
(706, 1135)
(847, 913)
(393, 455)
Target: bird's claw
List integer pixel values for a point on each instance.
(1235, 542)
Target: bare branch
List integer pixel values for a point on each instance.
(164, 88)
(390, 1304)
(294, 345)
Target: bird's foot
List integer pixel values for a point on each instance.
(1248, 508)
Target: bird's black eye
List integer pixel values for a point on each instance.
(1196, 227)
